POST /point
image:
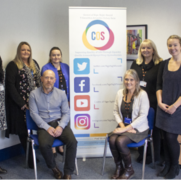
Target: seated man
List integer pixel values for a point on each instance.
(50, 111)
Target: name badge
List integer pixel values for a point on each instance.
(1, 87)
(143, 83)
(127, 120)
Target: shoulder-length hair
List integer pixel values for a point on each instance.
(156, 58)
(54, 48)
(19, 62)
(134, 74)
(174, 37)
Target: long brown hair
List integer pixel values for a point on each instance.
(54, 48)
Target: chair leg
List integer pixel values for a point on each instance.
(76, 167)
(144, 158)
(152, 153)
(27, 151)
(104, 155)
(34, 159)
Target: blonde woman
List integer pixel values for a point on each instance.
(147, 65)
(22, 76)
(169, 106)
(130, 111)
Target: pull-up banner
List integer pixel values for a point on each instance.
(97, 53)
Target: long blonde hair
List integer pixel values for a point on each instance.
(19, 62)
(134, 74)
(156, 57)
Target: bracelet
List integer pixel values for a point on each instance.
(174, 106)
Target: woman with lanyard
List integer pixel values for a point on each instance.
(147, 65)
(61, 71)
(131, 108)
(168, 116)
(22, 76)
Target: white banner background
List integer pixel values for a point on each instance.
(95, 75)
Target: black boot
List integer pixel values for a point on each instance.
(119, 165)
(165, 170)
(128, 171)
(173, 172)
(167, 161)
(3, 171)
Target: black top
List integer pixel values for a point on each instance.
(62, 83)
(170, 84)
(151, 79)
(124, 106)
(14, 100)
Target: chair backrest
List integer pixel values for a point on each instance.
(151, 117)
(31, 125)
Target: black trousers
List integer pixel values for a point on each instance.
(45, 145)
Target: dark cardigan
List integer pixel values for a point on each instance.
(14, 102)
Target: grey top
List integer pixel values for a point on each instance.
(45, 108)
(170, 84)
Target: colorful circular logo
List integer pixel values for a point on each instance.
(107, 45)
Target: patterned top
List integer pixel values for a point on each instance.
(28, 82)
(62, 83)
(3, 123)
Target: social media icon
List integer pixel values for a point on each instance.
(82, 121)
(81, 84)
(81, 66)
(82, 103)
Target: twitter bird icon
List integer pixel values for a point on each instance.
(81, 66)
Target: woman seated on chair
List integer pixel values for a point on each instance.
(130, 110)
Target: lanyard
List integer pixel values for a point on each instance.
(144, 73)
(127, 105)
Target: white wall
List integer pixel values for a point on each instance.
(44, 23)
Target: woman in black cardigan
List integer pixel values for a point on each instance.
(22, 76)
(146, 65)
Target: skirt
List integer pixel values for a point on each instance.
(136, 137)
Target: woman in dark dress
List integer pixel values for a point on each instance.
(131, 108)
(169, 106)
(22, 76)
(147, 66)
(61, 71)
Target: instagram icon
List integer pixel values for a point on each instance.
(82, 121)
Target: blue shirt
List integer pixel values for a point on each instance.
(65, 72)
(45, 108)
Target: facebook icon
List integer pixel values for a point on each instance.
(81, 84)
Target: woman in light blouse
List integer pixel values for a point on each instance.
(130, 110)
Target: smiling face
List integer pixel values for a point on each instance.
(130, 82)
(174, 47)
(146, 50)
(55, 56)
(25, 52)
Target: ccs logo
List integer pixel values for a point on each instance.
(82, 121)
(98, 36)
